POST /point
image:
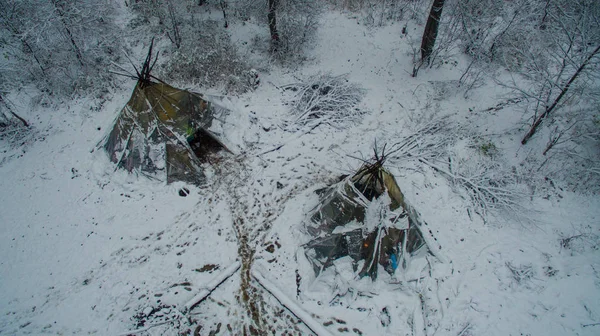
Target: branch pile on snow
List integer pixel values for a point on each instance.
(429, 140)
(155, 317)
(292, 306)
(326, 98)
(219, 279)
(15, 134)
(488, 186)
(580, 242)
(520, 273)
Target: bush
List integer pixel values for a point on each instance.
(379, 12)
(208, 59)
(297, 24)
(63, 48)
(575, 153)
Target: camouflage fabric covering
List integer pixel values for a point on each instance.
(151, 133)
(365, 217)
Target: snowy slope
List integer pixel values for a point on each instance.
(84, 248)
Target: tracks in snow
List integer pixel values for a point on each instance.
(257, 197)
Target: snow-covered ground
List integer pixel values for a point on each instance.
(86, 249)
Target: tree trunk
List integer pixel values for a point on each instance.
(564, 90)
(273, 21)
(431, 30)
(223, 7)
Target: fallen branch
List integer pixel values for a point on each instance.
(295, 136)
(25, 123)
(5, 103)
(137, 331)
(313, 325)
(206, 290)
(465, 330)
(485, 191)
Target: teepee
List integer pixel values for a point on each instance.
(163, 131)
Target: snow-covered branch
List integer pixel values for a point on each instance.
(428, 140)
(330, 99)
(204, 292)
(488, 186)
(292, 306)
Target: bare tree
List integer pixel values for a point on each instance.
(558, 58)
(59, 7)
(271, 16)
(69, 43)
(173, 34)
(11, 21)
(223, 5)
(430, 33)
(563, 91)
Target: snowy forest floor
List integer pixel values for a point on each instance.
(88, 250)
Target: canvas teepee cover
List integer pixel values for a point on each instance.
(152, 134)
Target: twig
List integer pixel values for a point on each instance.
(464, 330)
(278, 147)
(122, 74)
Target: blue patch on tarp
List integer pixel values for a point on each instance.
(394, 261)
